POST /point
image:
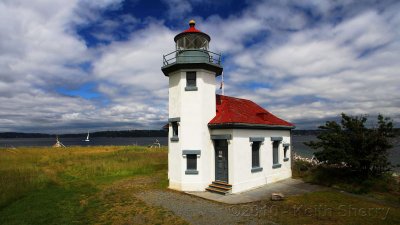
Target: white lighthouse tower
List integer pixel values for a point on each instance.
(191, 70)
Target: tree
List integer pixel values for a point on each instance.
(362, 149)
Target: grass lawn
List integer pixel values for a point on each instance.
(81, 185)
(96, 185)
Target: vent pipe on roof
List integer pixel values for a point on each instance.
(263, 115)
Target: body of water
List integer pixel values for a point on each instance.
(94, 141)
(297, 143)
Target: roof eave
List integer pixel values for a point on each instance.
(249, 126)
(168, 69)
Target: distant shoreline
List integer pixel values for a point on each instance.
(130, 133)
(125, 133)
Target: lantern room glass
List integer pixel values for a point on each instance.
(192, 41)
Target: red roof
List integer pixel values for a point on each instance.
(192, 29)
(242, 112)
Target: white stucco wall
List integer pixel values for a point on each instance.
(195, 109)
(174, 159)
(243, 178)
(240, 158)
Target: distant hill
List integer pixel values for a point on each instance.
(316, 132)
(131, 133)
(126, 133)
(24, 135)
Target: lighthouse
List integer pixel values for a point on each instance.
(191, 70)
(217, 143)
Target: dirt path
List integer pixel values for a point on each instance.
(197, 211)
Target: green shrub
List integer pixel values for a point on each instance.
(301, 168)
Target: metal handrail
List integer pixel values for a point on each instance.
(171, 57)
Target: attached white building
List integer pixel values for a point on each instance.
(218, 143)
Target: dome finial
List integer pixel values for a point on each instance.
(192, 23)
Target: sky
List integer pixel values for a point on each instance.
(78, 65)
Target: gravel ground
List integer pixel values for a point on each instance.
(195, 210)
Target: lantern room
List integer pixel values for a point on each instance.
(192, 52)
(192, 39)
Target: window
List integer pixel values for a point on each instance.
(174, 131)
(255, 160)
(255, 153)
(191, 81)
(275, 154)
(285, 150)
(191, 162)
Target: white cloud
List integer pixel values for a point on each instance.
(275, 54)
(38, 52)
(349, 67)
(311, 57)
(130, 73)
(137, 62)
(178, 8)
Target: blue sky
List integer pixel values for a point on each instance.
(69, 66)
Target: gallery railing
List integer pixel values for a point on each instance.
(191, 56)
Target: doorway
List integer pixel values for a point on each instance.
(221, 160)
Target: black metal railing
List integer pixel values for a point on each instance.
(187, 56)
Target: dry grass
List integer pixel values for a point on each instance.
(79, 185)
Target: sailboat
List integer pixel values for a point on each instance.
(58, 143)
(87, 138)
